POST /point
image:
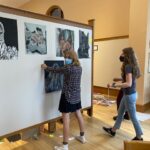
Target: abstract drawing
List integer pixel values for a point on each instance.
(83, 50)
(35, 38)
(53, 81)
(8, 39)
(65, 40)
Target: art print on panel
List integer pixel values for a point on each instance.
(83, 50)
(53, 81)
(35, 39)
(65, 40)
(8, 39)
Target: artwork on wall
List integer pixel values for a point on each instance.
(53, 81)
(83, 50)
(8, 39)
(65, 40)
(35, 39)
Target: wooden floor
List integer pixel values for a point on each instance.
(97, 139)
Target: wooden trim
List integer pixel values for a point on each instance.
(111, 38)
(104, 90)
(143, 108)
(24, 13)
(90, 111)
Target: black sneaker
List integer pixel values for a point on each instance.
(109, 131)
(125, 117)
(137, 139)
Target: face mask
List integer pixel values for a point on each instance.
(68, 61)
(121, 58)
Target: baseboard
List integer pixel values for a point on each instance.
(104, 90)
(143, 108)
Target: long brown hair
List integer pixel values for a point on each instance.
(130, 59)
(73, 55)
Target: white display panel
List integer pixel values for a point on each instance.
(22, 95)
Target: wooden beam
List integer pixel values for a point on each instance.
(111, 38)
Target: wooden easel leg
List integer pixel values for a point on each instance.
(90, 111)
(52, 127)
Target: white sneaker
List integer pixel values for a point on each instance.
(63, 147)
(81, 139)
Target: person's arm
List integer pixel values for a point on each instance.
(126, 84)
(51, 69)
(114, 83)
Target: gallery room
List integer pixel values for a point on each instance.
(75, 75)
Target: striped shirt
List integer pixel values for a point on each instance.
(71, 84)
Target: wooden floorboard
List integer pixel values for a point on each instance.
(97, 139)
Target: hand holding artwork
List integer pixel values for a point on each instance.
(44, 66)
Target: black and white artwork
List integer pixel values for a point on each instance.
(8, 39)
(53, 81)
(65, 40)
(83, 50)
(35, 39)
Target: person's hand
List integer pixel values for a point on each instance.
(44, 66)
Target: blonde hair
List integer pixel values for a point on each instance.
(72, 54)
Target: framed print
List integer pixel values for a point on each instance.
(65, 40)
(8, 39)
(53, 80)
(83, 50)
(35, 39)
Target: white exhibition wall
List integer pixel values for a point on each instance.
(23, 102)
(106, 60)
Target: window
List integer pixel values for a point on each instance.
(55, 11)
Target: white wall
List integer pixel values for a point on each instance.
(23, 101)
(112, 16)
(147, 59)
(106, 61)
(138, 39)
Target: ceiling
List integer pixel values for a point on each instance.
(13, 3)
